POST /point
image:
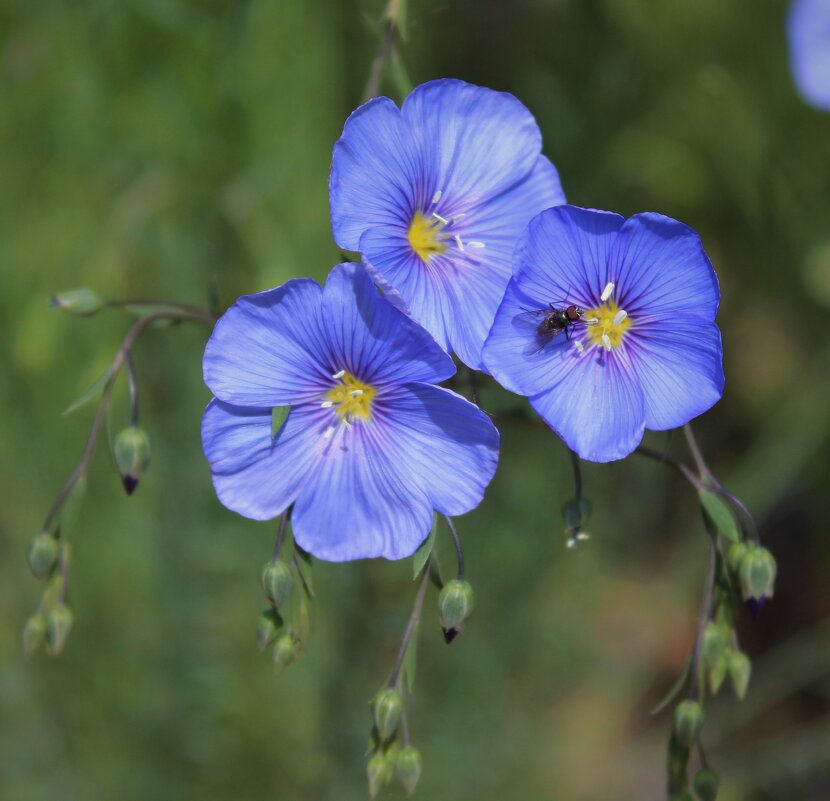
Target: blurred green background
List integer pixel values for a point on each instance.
(150, 147)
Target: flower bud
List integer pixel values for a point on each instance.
(378, 772)
(455, 603)
(34, 634)
(688, 721)
(42, 554)
(740, 670)
(714, 642)
(276, 582)
(284, 653)
(735, 555)
(706, 784)
(408, 768)
(717, 672)
(132, 455)
(386, 709)
(757, 574)
(58, 624)
(82, 302)
(268, 627)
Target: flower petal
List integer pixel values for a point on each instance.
(562, 257)
(358, 505)
(513, 353)
(680, 370)
(374, 172)
(475, 142)
(596, 405)
(373, 339)
(808, 28)
(269, 349)
(661, 270)
(254, 474)
(446, 444)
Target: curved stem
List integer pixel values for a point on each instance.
(680, 467)
(280, 534)
(697, 454)
(387, 47)
(459, 553)
(411, 624)
(119, 360)
(132, 386)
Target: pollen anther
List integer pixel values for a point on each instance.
(606, 293)
(620, 316)
(350, 398)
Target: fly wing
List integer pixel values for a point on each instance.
(531, 324)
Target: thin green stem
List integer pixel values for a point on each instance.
(680, 467)
(280, 538)
(459, 553)
(388, 45)
(697, 454)
(577, 470)
(703, 619)
(411, 625)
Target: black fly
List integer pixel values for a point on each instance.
(547, 323)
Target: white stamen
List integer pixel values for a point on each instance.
(346, 422)
(356, 392)
(327, 434)
(583, 535)
(571, 543)
(606, 293)
(606, 342)
(590, 320)
(579, 346)
(473, 243)
(442, 220)
(339, 374)
(458, 217)
(326, 404)
(436, 197)
(620, 316)
(458, 242)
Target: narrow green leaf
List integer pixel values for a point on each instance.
(91, 393)
(279, 414)
(720, 513)
(410, 659)
(674, 691)
(424, 550)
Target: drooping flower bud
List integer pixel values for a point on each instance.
(132, 455)
(82, 302)
(268, 627)
(714, 642)
(408, 768)
(706, 784)
(735, 555)
(34, 634)
(757, 575)
(688, 721)
(378, 772)
(740, 670)
(455, 604)
(42, 554)
(58, 624)
(276, 582)
(285, 652)
(386, 709)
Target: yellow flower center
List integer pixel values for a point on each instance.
(351, 398)
(426, 236)
(610, 326)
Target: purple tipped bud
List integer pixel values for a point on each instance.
(82, 302)
(132, 455)
(455, 604)
(757, 575)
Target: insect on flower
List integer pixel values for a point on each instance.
(643, 351)
(370, 447)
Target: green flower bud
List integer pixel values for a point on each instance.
(740, 670)
(58, 625)
(735, 555)
(717, 672)
(82, 302)
(378, 772)
(268, 627)
(34, 634)
(132, 455)
(386, 709)
(455, 603)
(408, 768)
(42, 554)
(277, 579)
(688, 721)
(678, 760)
(757, 574)
(706, 784)
(714, 642)
(285, 652)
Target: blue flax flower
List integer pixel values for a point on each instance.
(434, 195)
(808, 27)
(640, 348)
(369, 448)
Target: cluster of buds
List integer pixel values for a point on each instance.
(48, 627)
(390, 760)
